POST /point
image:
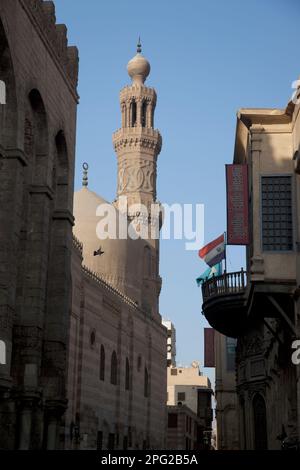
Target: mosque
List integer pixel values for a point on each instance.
(117, 346)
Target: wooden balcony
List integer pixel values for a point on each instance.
(224, 302)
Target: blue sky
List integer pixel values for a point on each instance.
(208, 59)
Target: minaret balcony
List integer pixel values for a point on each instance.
(137, 136)
(224, 302)
(136, 130)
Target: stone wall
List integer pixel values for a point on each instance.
(102, 316)
(37, 146)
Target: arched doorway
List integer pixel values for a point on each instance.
(260, 423)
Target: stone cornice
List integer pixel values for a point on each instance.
(136, 137)
(42, 16)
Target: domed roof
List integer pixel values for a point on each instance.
(118, 265)
(138, 67)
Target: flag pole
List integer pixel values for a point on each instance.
(225, 259)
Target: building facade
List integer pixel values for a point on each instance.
(37, 145)
(226, 394)
(184, 431)
(260, 307)
(83, 350)
(117, 371)
(171, 343)
(188, 388)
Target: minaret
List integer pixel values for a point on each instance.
(137, 145)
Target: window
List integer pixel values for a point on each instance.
(111, 441)
(230, 354)
(181, 396)
(127, 375)
(114, 369)
(146, 383)
(139, 363)
(102, 363)
(173, 371)
(276, 206)
(172, 420)
(99, 440)
(260, 423)
(92, 338)
(133, 114)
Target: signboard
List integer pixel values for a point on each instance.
(237, 204)
(209, 347)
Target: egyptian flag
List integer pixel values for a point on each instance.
(214, 252)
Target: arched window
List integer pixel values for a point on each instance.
(133, 113)
(139, 363)
(114, 369)
(146, 383)
(127, 375)
(144, 114)
(260, 423)
(102, 363)
(61, 172)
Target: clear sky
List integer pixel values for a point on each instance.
(208, 59)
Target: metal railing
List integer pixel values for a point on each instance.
(227, 283)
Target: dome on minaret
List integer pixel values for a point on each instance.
(138, 67)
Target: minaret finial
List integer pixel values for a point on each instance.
(85, 179)
(139, 46)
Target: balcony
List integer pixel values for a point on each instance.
(224, 302)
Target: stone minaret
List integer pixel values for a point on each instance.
(137, 145)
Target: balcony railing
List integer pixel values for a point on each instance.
(227, 283)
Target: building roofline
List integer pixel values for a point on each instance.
(248, 117)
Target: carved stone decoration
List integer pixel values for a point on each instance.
(28, 337)
(255, 346)
(136, 175)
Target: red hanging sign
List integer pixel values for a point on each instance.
(237, 204)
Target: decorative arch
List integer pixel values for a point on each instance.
(40, 137)
(133, 113)
(61, 172)
(9, 110)
(259, 422)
